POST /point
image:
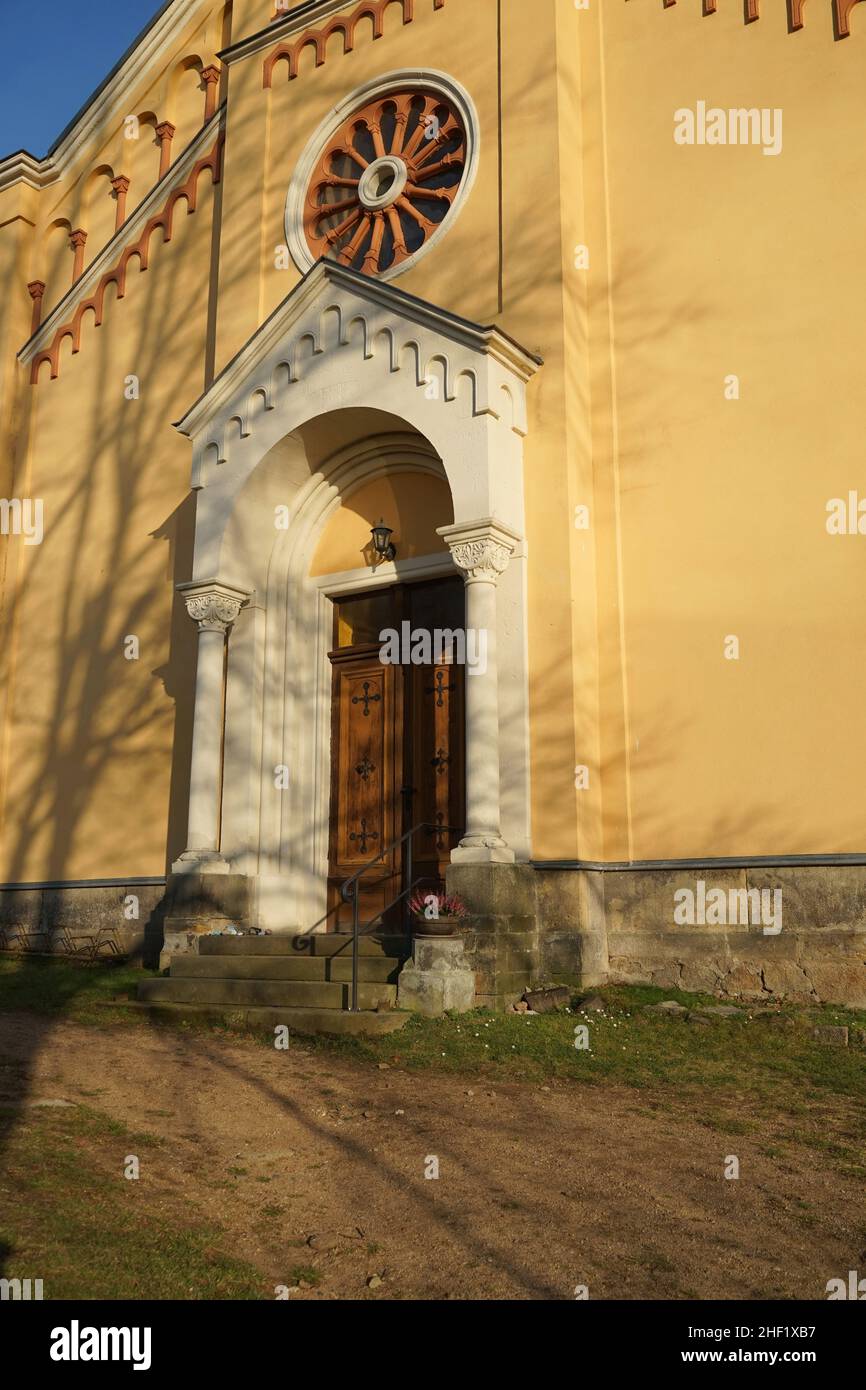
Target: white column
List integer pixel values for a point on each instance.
(214, 607)
(482, 550)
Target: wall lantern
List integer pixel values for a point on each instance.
(382, 543)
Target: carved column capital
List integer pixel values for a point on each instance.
(121, 188)
(77, 241)
(36, 290)
(210, 76)
(165, 133)
(481, 549)
(212, 605)
(481, 559)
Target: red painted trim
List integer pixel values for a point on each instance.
(117, 275)
(36, 290)
(346, 25)
(165, 132)
(843, 13)
(210, 76)
(752, 11)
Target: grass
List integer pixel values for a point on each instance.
(736, 1075)
(67, 988)
(68, 1216)
(630, 1047)
(747, 1075)
(627, 1046)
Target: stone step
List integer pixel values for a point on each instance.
(372, 969)
(315, 994)
(299, 947)
(335, 1022)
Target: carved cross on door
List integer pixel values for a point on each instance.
(364, 836)
(441, 761)
(366, 699)
(438, 830)
(439, 688)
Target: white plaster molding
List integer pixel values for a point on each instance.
(292, 367)
(22, 167)
(440, 82)
(481, 549)
(436, 566)
(278, 690)
(212, 605)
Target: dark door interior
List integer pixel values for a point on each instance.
(397, 743)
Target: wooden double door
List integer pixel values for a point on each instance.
(397, 742)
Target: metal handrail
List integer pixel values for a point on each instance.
(351, 889)
(311, 930)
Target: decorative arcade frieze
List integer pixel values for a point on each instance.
(346, 25)
(796, 9)
(139, 248)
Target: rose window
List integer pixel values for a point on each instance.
(386, 181)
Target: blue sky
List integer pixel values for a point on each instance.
(58, 52)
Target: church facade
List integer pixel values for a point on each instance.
(446, 414)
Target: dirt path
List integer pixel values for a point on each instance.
(538, 1191)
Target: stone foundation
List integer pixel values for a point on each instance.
(438, 978)
(196, 904)
(524, 932)
(533, 925)
(64, 919)
(819, 955)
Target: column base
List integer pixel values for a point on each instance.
(196, 902)
(482, 849)
(200, 861)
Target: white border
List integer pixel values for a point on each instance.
(381, 86)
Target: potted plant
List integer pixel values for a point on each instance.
(435, 912)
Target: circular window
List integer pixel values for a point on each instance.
(379, 182)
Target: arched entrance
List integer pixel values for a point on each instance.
(349, 382)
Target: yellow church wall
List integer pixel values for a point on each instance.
(723, 260)
(81, 197)
(86, 773)
(706, 516)
(462, 273)
(541, 208)
(270, 129)
(89, 785)
(412, 504)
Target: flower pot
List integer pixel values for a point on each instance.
(437, 926)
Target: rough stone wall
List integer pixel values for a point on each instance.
(586, 927)
(532, 926)
(820, 953)
(65, 920)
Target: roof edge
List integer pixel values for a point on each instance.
(491, 339)
(158, 33)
